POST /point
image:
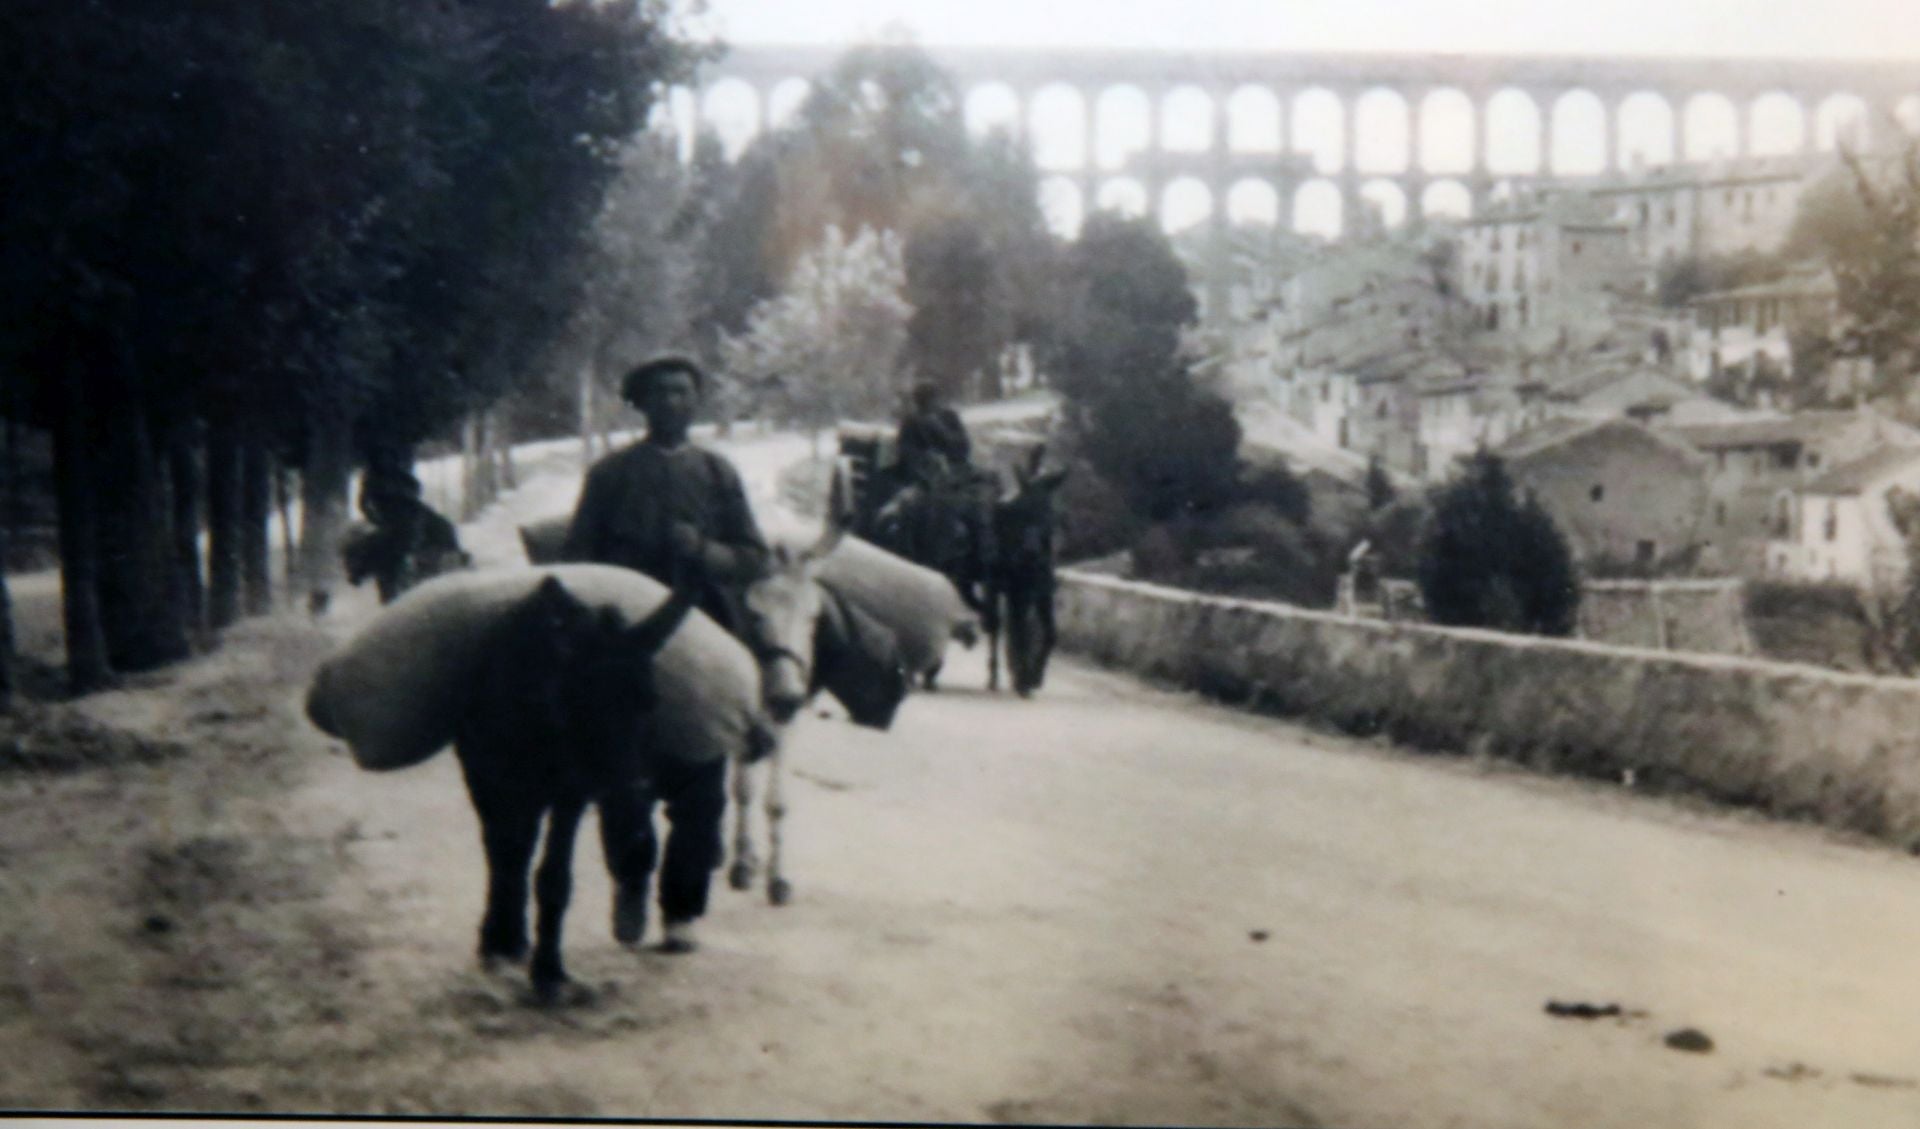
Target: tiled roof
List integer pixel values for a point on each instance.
(1559, 432)
(1861, 473)
(1802, 427)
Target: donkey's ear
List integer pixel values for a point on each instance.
(1051, 480)
(652, 633)
(552, 593)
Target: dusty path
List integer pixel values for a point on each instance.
(1108, 904)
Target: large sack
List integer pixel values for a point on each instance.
(544, 539)
(917, 604)
(398, 689)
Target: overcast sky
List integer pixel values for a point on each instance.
(1845, 28)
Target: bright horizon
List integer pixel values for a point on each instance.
(1842, 29)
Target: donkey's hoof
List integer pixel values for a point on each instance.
(740, 876)
(779, 892)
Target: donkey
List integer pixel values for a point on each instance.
(854, 657)
(559, 717)
(951, 531)
(1022, 589)
(806, 640)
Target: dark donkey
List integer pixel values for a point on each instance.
(562, 699)
(1023, 580)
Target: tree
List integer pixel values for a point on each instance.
(1488, 559)
(881, 142)
(247, 236)
(1132, 403)
(1871, 242)
(832, 339)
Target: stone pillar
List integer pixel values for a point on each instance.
(1480, 99)
(1416, 159)
(1609, 139)
(1543, 105)
(1284, 130)
(1219, 245)
(1809, 122)
(1742, 127)
(1348, 133)
(1414, 185)
(1679, 103)
(1089, 130)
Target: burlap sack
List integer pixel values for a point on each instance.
(397, 690)
(917, 604)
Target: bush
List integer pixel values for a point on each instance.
(1489, 560)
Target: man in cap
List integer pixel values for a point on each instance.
(677, 512)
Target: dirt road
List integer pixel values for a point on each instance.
(1109, 904)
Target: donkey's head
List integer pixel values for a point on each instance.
(1024, 523)
(568, 660)
(783, 615)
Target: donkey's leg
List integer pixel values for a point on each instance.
(509, 828)
(553, 886)
(779, 890)
(745, 864)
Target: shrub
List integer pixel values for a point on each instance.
(1490, 560)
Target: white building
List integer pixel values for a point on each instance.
(1840, 526)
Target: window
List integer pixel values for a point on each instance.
(1719, 513)
(1720, 460)
(1813, 460)
(1598, 492)
(1783, 458)
(1645, 552)
(1576, 246)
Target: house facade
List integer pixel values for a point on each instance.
(1543, 265)
(1751, 328)
(1623, 494)
(1841, 526)
(1756, 467)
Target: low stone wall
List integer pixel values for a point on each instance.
(1667, 615)
(1797, 741)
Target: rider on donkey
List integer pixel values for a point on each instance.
(933, 441)
(409, 542)
(678, 513)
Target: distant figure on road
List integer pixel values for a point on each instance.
(678, 513)
(933, 441)
(408, 541)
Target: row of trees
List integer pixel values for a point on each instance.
(247, 237)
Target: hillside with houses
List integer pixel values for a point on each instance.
(1653, 354)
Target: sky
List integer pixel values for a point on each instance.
(1792, 28)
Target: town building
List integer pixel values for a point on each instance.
(1750, 329)
(1756, 466)
(1627, 497)
(1841, 526)
(1546, 264)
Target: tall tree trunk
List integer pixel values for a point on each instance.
(10, 469)
(283, 506)
(140, 605)
(184, 481)
(323, 499)
(585, 396)
(469, 475)
(223, 521)
(73, 478)
(256, 501)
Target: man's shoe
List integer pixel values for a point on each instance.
(629, 915)
(680, 938)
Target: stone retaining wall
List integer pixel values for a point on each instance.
(1797, 741)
